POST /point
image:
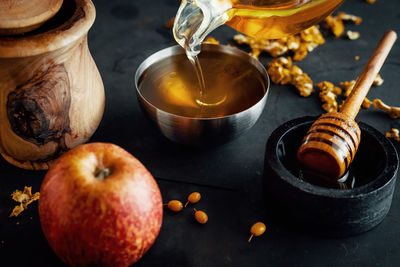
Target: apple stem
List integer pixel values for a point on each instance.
(101, 173)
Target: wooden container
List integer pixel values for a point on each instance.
(51, 93)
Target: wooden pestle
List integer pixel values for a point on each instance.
(332, 140)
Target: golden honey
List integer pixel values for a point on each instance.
(273, 19)
(232, 85)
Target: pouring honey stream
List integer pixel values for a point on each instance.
(267, 19)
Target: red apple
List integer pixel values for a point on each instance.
(99, 206)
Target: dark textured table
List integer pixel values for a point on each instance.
(228, 176)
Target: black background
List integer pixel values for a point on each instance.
(229, 176)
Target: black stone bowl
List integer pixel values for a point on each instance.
(328, 209)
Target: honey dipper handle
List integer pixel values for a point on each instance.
(364, 82)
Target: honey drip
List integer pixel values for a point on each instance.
(270, 19)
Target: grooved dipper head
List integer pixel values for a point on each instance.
(330, 145)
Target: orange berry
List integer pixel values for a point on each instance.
(193, 198)
(175, 205)
(200, 216)
(257, 229)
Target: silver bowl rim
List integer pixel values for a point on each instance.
(176, 50)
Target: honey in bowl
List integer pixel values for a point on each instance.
(232, 85)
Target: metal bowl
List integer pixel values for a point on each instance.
(200, 131)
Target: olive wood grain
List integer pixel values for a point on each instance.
(332, 141)
(19, 16)
(51, 93)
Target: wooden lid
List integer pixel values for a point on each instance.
(19, 16)
(70, 24)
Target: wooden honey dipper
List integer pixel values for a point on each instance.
(332, 140)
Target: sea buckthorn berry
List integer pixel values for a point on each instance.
(257, 229)
(175, 205)
(193, 198)
(200, 216)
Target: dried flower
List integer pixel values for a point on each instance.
(394, 134)
(353, 35)
(378, 80)
(328, 94)
(24, 198)
(282, 71)
(393, 112)
(300, 44)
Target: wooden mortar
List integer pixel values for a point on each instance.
(51, 93)
(332, 141)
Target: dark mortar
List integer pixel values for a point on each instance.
(321, 209)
